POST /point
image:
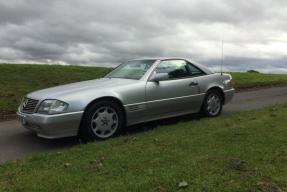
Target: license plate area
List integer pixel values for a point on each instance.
(22, 119)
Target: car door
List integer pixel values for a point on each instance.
(178, 94)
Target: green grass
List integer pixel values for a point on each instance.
(242, 152)
(257, 80)
(18, 80)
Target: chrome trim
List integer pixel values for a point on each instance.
(174, 98)
(60, 114)
(51, 115)
(229, 90)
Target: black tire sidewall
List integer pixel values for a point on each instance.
(86, 133)
(204, 107)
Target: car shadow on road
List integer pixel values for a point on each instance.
(48, 143)
(31, 139)
(24, 142)
(131, 130)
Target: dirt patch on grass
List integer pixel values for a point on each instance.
(238, 165)
(267, 185)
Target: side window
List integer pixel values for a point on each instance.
(194, 71)
(174, 68)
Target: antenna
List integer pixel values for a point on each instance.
(222, 56)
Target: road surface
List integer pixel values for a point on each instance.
(16, 142)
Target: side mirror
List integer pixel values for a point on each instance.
(157, 77)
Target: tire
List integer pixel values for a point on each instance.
(101, 120)
(212, 104)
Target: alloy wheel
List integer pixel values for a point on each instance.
(104, 122)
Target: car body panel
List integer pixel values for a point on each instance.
(78, 95)
(171, 96)
(142, 100)
(52, 126)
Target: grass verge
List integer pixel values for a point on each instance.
(244, 81)
(243, 152)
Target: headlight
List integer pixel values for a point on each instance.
(228, 83)
(52, 107)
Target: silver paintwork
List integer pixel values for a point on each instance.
(143, 100)
(52, 126)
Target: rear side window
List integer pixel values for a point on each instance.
(177, 69)
(194, 71)
(174, 68)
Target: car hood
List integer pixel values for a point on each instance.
(64, 90)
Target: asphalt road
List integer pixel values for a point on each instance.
(16, 142)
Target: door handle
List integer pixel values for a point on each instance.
(193, 84)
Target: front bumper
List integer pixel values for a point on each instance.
(228, 94)
(52, 126)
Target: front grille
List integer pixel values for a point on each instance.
(29, 105)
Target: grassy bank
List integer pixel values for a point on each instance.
(258, 80)
(242, 152)
(18, 80)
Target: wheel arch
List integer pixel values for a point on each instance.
(218, 89)
(106, 98)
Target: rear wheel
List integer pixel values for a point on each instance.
(212, 105)
(102, 120)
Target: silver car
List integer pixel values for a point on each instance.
(136, 91)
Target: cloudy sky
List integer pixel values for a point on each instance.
(104, 33)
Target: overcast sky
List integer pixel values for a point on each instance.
(104, 33)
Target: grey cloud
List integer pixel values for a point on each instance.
(19, 11)
(244, 64)
(107, 32)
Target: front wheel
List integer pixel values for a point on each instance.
(212, 105)
(102, 120)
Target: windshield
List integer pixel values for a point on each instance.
(131, 69)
